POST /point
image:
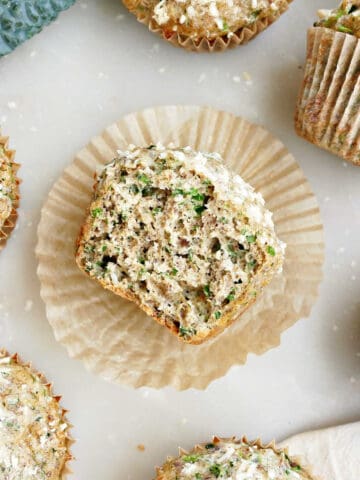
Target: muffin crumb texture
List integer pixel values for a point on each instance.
(33, 431)
(232, 459)
(7, 186)
(345, 18)
(174, 231)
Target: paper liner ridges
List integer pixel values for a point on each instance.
(66, 471)
(240, 37)
(328, 109)
(111, 335)
(10, 222)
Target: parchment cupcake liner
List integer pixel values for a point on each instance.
(66, 472)
(328, 109)
(219, 44)
(111, 335)
(297, 459)
(10, 223)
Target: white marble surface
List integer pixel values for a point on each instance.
(92, 66)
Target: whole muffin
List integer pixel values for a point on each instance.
(232, 459)
(34, 442)
(327, 111)
(207, 24)
(9, 195)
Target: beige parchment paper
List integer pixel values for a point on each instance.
(111, 335)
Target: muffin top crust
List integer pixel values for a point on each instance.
(345, 18)
(7, 186)
(33, 432)
(212, 18)
(232, 459)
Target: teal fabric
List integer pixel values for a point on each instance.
(21, 19)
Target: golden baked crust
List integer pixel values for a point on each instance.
(175, 232)
(34, 441)
(232, 459)
(207, 25)
(9, 191)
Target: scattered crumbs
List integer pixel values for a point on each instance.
(33, 53)
(201, 78)
(353, 263)
(247, 77)
(352, 380)
(119, 17)
(141, 447)
(236, 79)
(184, 421)
(327, 199)
(353, 278)
(345, 164)
(28, 305)
(161, 69)
(341, 250)
(12, 105)
(335, 328)
(102, 75)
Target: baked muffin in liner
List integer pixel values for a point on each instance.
(113, 337)
(234, 458)
(9, 191)
(32, 413)
(144, 12)
(327, 112)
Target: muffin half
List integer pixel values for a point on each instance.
(9, 191)
(34, 439)
(232, 459)
(181, 236)
(207, 25)
(328, 113)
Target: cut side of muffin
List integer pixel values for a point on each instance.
(34, 433)
(234, 22)
(174, 231)
(9, 190)
(232, 459)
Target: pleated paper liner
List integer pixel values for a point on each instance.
(10, 222)
(305, 469)
(111, 335)
(66, 471)
(328, 109)
(143, 12)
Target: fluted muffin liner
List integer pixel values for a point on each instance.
(218, 44)
(328, 108)
(297, 459)
(113, 336)
(10, 222)
(66, 471)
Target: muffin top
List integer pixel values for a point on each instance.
(33, 433)
(232, 460)
(345, 18)
(212, 18)
(7, 186)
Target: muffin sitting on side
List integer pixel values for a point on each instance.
(209, 20)
(174, 231)
(232, 459)
(327, 111)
